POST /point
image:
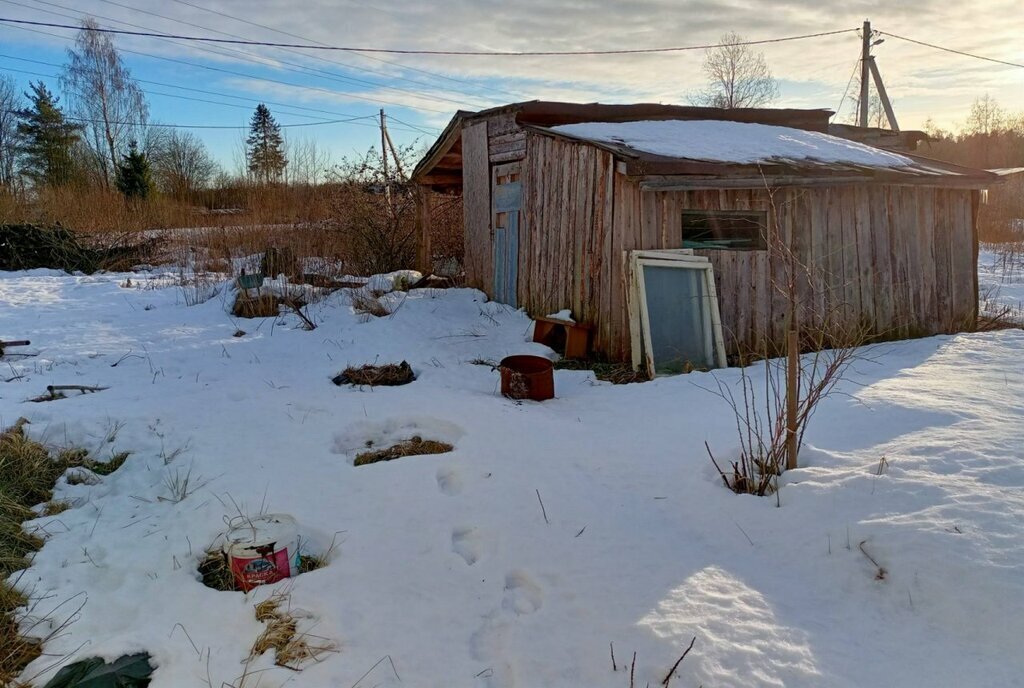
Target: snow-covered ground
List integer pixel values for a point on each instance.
(446, 563)
(1001, 283)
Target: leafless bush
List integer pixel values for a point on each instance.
(772, 415)
(375, 209)
(759, 408)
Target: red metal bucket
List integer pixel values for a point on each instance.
(527, 377)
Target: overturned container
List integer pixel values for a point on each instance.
(527, 377)
(263, 549)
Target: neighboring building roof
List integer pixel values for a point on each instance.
(734, 142)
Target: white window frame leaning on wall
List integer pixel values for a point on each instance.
(639, 317)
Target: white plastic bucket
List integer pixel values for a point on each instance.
(263, 549)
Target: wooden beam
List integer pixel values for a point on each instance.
(708, 184)
(424, 255)
(889, 114)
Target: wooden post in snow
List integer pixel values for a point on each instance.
(792, 395)
(424, 256)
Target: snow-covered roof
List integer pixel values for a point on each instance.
(732, 142)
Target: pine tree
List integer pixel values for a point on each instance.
(48, 139)
(133, 177)
(265, 147)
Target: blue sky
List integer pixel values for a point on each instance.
(420, 93)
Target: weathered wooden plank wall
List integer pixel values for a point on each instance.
(476, 207)
(897, 261)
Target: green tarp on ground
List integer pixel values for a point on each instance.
(130, 671)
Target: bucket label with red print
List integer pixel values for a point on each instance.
(269, 567)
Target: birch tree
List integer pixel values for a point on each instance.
(737, 77)
(10, 103)
(104, 97)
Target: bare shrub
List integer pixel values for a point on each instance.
(375, 209)
(772, 415)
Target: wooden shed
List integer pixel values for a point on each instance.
(560, 201)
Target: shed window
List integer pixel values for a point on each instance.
(725, 229)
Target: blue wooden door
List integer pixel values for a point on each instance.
(507, 204)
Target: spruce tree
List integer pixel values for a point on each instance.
(265, 147)
(133, 177)
(48, 139)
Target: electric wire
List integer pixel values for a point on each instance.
(409, 51)
(952, 50)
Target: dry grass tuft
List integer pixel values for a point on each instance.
(388, 374)
(415, 446)
(28, 472)
(56, 506)
(262, 306)
(291, 648)
(215, 572)
(368, 304)
(615, 373)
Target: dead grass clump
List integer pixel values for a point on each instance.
(109, 466)
(262, 306)
(291, 648)
(27, 474)
(389, 375)
(214, 571)
(56, 506)
(415, 446)
(615, 373)
(367, 304)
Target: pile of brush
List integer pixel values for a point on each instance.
(28, 246)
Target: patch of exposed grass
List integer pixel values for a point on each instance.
(56, 506)
(215, 572)
(414, 446)
(109, 466)
(616, 373)
(388, 374)
(28, 472)
(312, 562)
(263, 306)
(367, 304)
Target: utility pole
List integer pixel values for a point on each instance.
(865, 59)
(384, 158)
(868, 72)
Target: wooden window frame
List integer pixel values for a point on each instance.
(636, 303)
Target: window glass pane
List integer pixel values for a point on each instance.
(724, 229)
(677, 318)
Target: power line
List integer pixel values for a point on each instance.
(334, 76)
(248, 76)
(846, 90)
(952, 50)
(245, 55)
(413, 126)
(367, 57)
(343, 115)
(353, 119)
(397, 51)
(158, 125)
